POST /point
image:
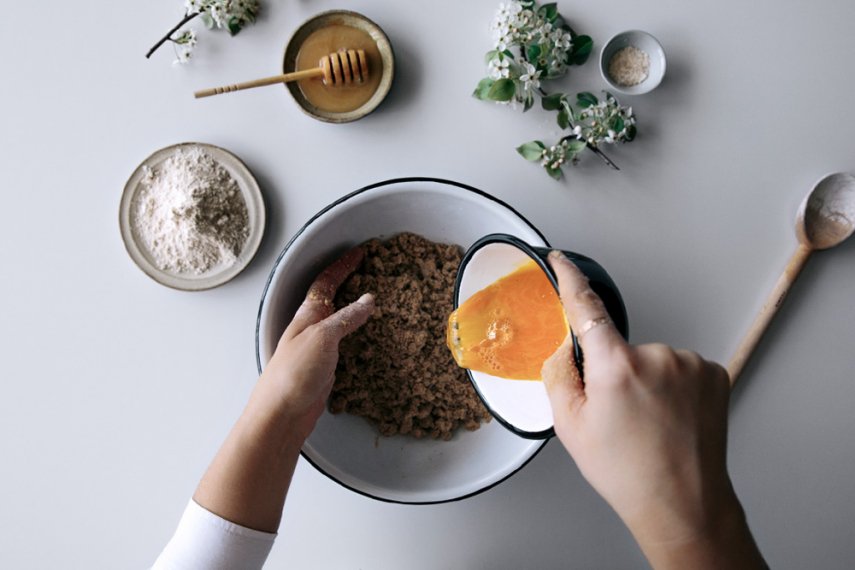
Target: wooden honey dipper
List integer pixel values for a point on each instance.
(339, 68)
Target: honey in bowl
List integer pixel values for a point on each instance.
(509, 328)
(338, 98)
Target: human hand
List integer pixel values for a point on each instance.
(249, 477)
(648, 430)
(300, 375)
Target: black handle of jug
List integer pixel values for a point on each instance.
(602, 284)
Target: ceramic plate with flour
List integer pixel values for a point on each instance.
(192, 216)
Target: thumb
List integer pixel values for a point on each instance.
(348, 319)
(563, 383)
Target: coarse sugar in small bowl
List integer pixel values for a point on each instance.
(632, 62)
(192, 216)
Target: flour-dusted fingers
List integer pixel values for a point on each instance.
(347, 319)
(585, 311)
(318, 304)
(562, 381)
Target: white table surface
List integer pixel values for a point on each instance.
(117, 391)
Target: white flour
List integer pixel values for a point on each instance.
(190, 214)
(838, 203)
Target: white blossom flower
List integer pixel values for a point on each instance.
(500, 68)
(503, 14)
(543, 31)
(521, 19)
(182, 55)
(501, 36)
(502, 42)
(228, 14)
(512, 25)
(501, 27)
(531, 78)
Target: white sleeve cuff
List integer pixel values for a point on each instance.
(204, 541)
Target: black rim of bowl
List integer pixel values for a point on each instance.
(296, 236)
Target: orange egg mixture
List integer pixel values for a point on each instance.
(509, 328)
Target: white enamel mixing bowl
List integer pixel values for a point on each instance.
(347, 448)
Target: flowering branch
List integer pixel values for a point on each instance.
(232, 15)
(545, 47)
(590, 146)
(168, 35)
(595, 123)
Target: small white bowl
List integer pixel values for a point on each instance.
(345, 447)
(646, 43)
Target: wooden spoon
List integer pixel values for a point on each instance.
(339, 68)
(825, 219)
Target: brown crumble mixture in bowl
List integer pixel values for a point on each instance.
(396, 371)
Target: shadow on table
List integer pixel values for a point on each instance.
(546, 516)
(408, 76)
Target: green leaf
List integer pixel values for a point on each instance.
(483, 88)
(183, 38)
(529, 101)
(532, 151)
(586, 99)
(552, 102)
(549, 11)
(576, 146)
(582, 48)
(490, 56)
(630, 133)
(563, 119)
(508, 53)
(569, 110)
(533, 52)
(207, 20)
(502, 90)
(234, 26)
(553, 172)
(617, 124)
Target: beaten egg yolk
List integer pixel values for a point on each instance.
(509, 328)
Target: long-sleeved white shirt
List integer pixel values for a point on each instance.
(205, 541)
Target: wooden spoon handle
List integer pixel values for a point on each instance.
(770, 308)
(285, 78)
